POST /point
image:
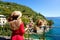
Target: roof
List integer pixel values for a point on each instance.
(2, 16)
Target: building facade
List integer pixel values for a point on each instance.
(2, 20)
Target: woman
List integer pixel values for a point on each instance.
(17, 26)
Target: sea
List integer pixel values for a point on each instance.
(54, 33)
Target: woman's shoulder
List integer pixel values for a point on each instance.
(22, 23)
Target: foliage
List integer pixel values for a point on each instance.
(50, 22)
(5, 30)
(25, 20)
(7, 8)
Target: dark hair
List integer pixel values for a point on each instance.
(11, 18)
(14, 17)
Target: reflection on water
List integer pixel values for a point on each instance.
(53, 34)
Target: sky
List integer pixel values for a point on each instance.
(48, 8)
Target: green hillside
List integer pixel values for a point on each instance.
(7, 8)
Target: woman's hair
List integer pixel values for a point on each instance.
(17, 13)
(14, 16)
(14, 20)
(9, 19)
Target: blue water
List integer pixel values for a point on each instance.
(54, 33)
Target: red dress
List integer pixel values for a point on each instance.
(18, 34)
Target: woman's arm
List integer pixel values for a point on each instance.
(27, 27)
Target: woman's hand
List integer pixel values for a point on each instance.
(27, 27)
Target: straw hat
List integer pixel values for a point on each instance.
(14, 24)
(17, 13)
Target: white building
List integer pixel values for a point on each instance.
(2, 20)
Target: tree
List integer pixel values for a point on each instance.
(50, 22)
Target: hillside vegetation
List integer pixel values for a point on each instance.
(7, 8)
